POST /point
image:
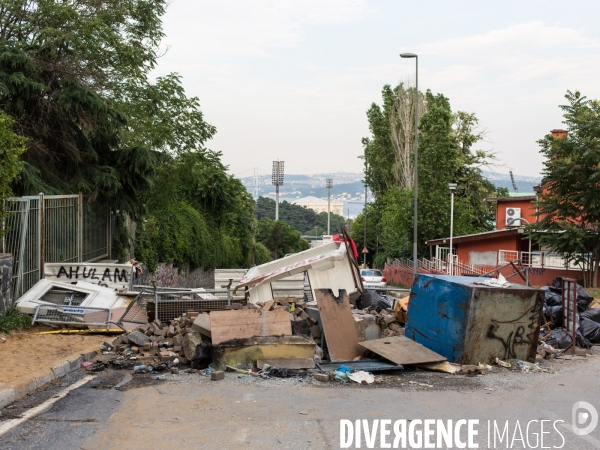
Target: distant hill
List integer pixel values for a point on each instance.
(525, 183)
(349, 188)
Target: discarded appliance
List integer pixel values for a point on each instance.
(330, 266)
(81, 304)
(469, 323)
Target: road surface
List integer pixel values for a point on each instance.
(188, 411)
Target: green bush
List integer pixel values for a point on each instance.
(14, 320)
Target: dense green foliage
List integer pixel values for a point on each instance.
(75, 78)
(198, 216)
(280, 238)
(446, 154)
(14, 320)
(11, 148)
(569, 206)
(303, 219)
(74, 75)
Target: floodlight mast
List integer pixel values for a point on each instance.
(277, 180)
(329, 185)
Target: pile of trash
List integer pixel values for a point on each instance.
(152, 347)
(553, 336)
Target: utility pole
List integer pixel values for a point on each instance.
(329, 185)
(365, 226)
(277, 180)
(256, 183)
(452, 188)
(416, 163)
(364, 252)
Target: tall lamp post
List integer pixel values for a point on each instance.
(416, 168)
(452, 187)
(365, 220)
(277, 180)
(329, 185)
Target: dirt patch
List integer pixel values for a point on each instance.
(25, 352)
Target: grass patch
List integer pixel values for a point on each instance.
(14, 320)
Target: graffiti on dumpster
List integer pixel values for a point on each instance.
(510, 336)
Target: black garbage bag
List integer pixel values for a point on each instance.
(370, 299)
(559, 339)
(592, 314)
(554, 315)
(583, 297)
(287, 373)
(590, 330)
(582, 341)
(552, 298)
(203, 356)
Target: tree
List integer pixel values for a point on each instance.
(74, 75)
(569, 206)
(11, 148)
(303, 219)
(446, 155)
(280, 238)
(199, 216)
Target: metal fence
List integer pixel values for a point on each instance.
(166, 304)
(52, 228)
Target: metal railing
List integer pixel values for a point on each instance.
(167, 304)
(549, 260)
(52, 228)
(72, 315)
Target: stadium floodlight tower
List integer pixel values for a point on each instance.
(329, 185)
(277, 180)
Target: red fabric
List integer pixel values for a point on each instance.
(340, 238)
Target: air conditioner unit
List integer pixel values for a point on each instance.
(513, 217)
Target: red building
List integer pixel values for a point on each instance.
(481, 253)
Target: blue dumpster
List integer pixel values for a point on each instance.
(469, 323)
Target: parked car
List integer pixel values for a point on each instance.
(373, 278)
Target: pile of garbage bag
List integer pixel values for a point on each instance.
(587, 321)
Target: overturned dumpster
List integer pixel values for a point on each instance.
(470, 323)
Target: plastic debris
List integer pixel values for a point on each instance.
(503, 364)
(362, 377)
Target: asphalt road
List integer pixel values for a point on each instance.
(189, 411)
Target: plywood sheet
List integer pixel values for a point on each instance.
(246, 323)
(402, 350)
(338, 325)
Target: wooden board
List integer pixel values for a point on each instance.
(402, 350)
(287, 363)
(338, 325)
(246, 323)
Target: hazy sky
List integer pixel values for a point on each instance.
(292, 79)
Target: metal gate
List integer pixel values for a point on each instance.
(52, 228)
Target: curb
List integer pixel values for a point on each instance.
(59, 368)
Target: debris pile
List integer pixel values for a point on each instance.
(152, 347)
(553, 336)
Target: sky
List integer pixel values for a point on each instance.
(292, 80)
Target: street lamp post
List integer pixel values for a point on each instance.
(452, 187)
(365, 220)
(416, 168)
(329, 185)
(277, 180)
